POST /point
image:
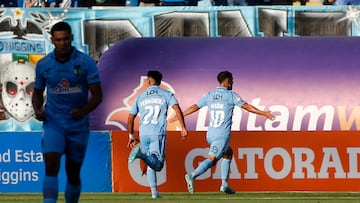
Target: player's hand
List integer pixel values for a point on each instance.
(184, 134)
(269, 116)
(76, 114)
(132, 142)
(40, 114)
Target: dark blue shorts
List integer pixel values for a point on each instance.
(72, 143)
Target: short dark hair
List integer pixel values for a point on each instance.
(60, 26)
(223, 75)
(156, 75)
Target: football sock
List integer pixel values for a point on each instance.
(49, 200)
(225, 168)
(50, 189)
(152, 180)
(202, 168)
(72, 193)
(154, 190)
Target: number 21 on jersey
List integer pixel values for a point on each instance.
(152, 114)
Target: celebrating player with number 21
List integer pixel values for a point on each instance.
(152, 105)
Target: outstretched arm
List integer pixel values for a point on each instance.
(188, 111)
(253, 109)
(193, 108)
(180, 117)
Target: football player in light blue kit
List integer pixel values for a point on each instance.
(220, 103)
(67, 75)
(152, 105)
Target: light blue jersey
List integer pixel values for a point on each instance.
(220, 103)
(67, 87)
(152, 106)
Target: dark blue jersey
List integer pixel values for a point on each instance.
(66, 86)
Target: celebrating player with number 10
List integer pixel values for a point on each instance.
(152, 106)
(220, 103)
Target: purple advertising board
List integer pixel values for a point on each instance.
(309, 83)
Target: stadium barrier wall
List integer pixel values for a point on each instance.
(263, 161)
(22, 167)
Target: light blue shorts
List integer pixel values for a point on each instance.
(153, 144)
(218, 145)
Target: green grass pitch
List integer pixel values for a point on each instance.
(201, 197)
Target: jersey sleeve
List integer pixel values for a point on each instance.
(134, 110)
(39, 79)
(93, 73)
(172, 100)
(238, 101)
(202, 102)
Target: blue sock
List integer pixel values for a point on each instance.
(50, 189)
(225, 168)
(202, 168)
(48, 200)
(72, 193)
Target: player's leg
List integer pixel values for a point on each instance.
(225, 166)
(155, 161)
(202, 168)
(73, 185)
(155, 155)
(75, 154)
(213, 157)
(51, 183)
(225, 169)
(152, 180)
(53, 144)
(215, 152)
(141, 150)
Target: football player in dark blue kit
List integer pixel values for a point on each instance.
(67, 75)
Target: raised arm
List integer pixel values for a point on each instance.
(188, 111)
(253, 109)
